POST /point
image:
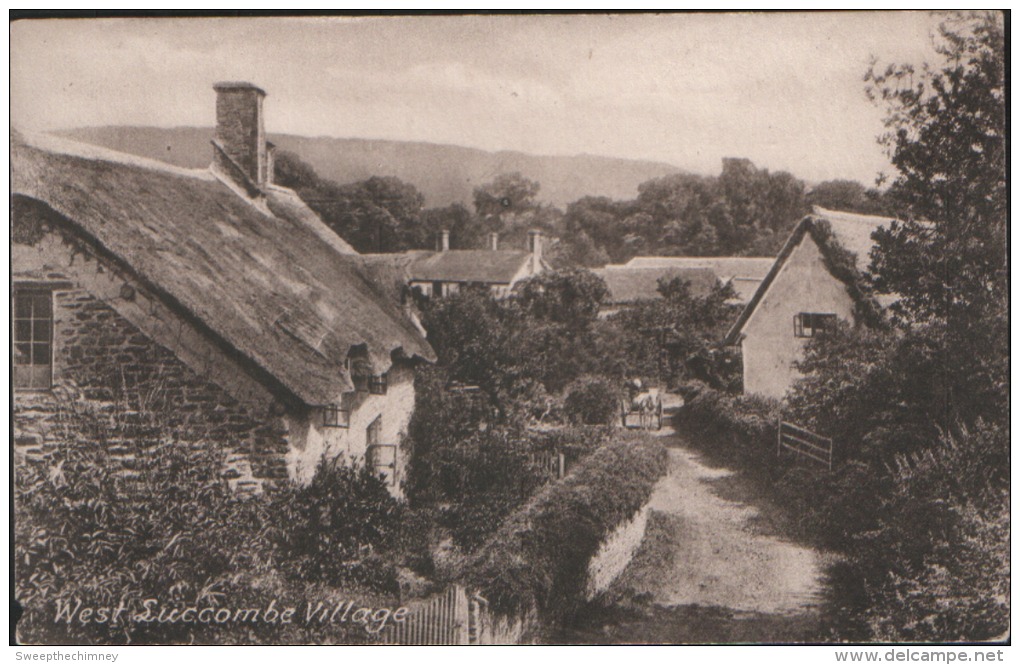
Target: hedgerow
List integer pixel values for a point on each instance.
(537, 560)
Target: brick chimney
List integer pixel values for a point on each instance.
(240, 145)
(535, 244)
(443, 241)
(494, 241)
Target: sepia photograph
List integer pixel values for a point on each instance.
(511, 329)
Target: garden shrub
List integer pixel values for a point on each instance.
(332, 529)
(592, 400)
(171, 529)
(159, 521)
(538, 558)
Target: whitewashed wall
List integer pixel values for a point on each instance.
(769, 347)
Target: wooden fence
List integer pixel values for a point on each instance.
(442, 619)
(804, 443)
(552, 462)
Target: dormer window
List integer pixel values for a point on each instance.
(377, 384)
(334, 416)
(813, 324)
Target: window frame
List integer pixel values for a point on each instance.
(32, 291)
(813, 324)
(378, 384)
(373, 433)
(333, 415)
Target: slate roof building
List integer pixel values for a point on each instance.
(446, 271)
(264, 329)
(807, 289)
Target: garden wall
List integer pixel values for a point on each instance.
(615, 553)
(573, 536)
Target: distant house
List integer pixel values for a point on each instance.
(800, 298)
(743, 273)
(628, 285)
(446, 271)
(213, 292)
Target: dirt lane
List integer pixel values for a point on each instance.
(705, 572)
(700, 549)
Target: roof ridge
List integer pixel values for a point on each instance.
(60, 145)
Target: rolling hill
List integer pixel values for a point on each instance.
(443, 173)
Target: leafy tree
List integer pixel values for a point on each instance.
(465, 231)
(675, 337)
(508, 194)
(380, 214)
(948, 262)
(568, 297)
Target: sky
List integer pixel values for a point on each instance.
(784, 90)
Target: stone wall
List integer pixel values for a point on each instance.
(615, 554)
(102, 360)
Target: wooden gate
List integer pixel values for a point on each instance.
(804, 443)
(442, 619)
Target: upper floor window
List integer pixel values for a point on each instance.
(812, 324)
(377, 384)
(33, 339)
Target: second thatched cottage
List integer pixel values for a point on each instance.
(213, 294)
(814, 282)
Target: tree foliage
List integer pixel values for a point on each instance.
(920, 409)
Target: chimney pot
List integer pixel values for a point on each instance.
(444, 241)
(535, 244)
(241, 133)
(494, 241)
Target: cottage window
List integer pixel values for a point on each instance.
(377, 384)
(380, 457)
(812, 324)
(33, 339)
(373, 435)
(334, 416)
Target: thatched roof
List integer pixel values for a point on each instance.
(267, 279)
(853, 231)
(467, 265)
(627, 285)
(850, 231)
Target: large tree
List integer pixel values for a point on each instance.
(920, 410)
(947, 138)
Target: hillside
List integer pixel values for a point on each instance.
(443, 173)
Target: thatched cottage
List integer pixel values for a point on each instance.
(213, 293)
(814, 282)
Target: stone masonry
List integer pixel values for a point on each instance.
(103, 361)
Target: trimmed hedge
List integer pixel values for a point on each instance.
(747, 422)
(538, 559)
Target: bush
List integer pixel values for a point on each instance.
(592, 401)
(171, 528)
(332, 530)
(159, 521)
(939, 554)
(538, 559)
